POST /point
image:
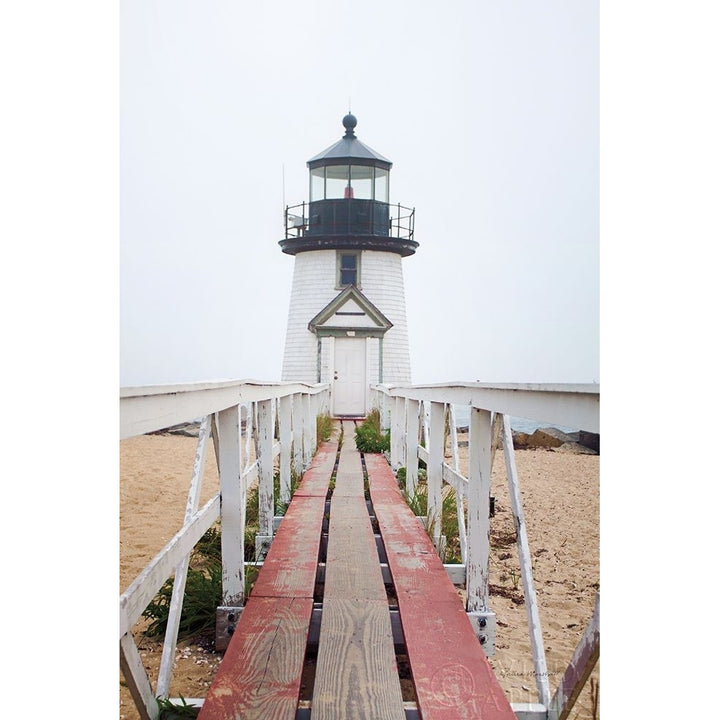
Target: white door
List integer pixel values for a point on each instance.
(349, 377)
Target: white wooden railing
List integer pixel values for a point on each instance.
(237, 416)
(417, 418)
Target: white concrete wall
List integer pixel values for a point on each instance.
(314, 287)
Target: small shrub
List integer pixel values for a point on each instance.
(280, 506)
(369, 437)
(170, 710)
(324, 428)
(203, 594)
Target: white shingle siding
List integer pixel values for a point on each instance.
(314, 287)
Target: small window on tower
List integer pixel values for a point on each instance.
(348, 269)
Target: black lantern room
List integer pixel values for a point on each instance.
(349, 203)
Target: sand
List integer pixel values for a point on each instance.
(561, 502)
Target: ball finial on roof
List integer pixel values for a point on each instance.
(349, 122)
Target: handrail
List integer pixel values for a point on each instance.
(280, 420)
(155, 407)
(417, 417)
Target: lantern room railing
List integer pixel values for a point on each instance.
(349, 217)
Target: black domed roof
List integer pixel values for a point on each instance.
(349, 149)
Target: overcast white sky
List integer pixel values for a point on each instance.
(489, 112)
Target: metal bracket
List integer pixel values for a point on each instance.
(262, 545)
(226, 620)
(484, 623)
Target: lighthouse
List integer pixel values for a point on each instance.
(347, 322)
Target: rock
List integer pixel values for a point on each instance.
(186, 429)
(541, 438)
(574, 449)
(589, 440)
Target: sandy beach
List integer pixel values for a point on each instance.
(561, 502)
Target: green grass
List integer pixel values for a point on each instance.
(369, 437)
(170, 710)
(203, 593)
(418, 503)
(324, 428)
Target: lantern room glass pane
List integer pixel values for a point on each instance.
(317, 184)
(361, 179)
(337, 181)
(382, 185)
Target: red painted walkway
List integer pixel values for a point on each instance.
(356, 672)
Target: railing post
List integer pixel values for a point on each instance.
(411, 471)
(232, 509)
(312, 428)
(477, 565)
(531, 603)
(308, 430)
(266, 494)
(436, 448)
(297, 430)
(173, 623)
(285, 417)
(397, 433)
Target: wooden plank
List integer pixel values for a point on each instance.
(316, 479)
(260, 674)
(453, 678)
(352, 559)
(356, 674)
(259, 677)
(290, 567)
(356, 668)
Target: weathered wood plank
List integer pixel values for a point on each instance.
(453, 678)
(352, 558)
(290, 567)
(356, 674)
(316, 479)
(259, 677)
(356, 668)
(260, 674)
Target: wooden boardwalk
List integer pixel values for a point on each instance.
(356, 672)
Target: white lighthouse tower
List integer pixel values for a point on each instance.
(347, 323)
